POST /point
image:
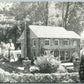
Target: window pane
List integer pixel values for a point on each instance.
(62, 54)
(67, 53)
(65, 42)
(56, 53)
(74, 43)
(34, 43)
(34, 53)
(46, 42)
(56, 42)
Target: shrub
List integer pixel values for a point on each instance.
(47, 64)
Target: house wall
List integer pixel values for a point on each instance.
(22, 49)
(42, 43)
(71, 47)
(29, 46)
(34, 49)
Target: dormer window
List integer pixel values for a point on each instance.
(56, 42)
(47, 42)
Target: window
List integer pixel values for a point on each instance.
(62, 55)
(65, 55)
(74, 43)
(56, 53)
(56, 42)
(66, 42)
(34, 43)
(47, 42)
(34, 53)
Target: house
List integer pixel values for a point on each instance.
(48, 38)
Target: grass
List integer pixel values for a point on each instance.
(11, 66)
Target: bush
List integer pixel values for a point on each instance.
(47, 64)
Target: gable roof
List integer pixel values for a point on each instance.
(52, 32)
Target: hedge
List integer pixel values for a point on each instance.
(38, 77)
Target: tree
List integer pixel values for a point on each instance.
(38, 12)
(67, 15)
(71, 19)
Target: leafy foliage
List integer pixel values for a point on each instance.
(47, 64)
(71, 17)
(67, 14)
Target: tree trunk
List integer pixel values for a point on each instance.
(25, 40)
(66, 15)
(63, 14)
(47, 13)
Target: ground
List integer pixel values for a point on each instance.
(11, 66)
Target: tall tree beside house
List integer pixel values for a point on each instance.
(36, 10)
(66, 14)
(71, 18)
(14, 34)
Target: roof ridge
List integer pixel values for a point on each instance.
(47, 26)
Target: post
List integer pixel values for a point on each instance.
(25, 40)
(27, 61)
(28, 44)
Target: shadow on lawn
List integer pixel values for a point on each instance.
(11, 66)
